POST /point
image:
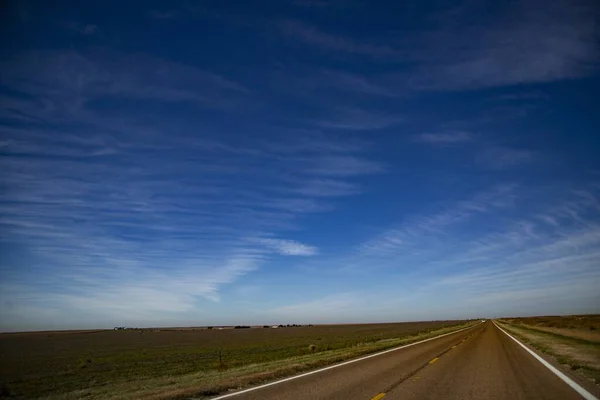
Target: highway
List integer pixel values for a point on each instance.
(478, 363)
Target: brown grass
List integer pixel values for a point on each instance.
(584, 323)
(568, 339)
(171, 363)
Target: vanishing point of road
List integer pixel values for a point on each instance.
(481, 362)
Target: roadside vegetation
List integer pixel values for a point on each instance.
(573, 341)
(178, 363)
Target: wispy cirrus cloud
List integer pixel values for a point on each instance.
(527, 42)
(135, 184)
(521, 96)
(486, 153)
(288, 247)
(83, 29)
(66, 81)
(328, 188)
(131, 294)
(336, 307)
(520, 43)
(501, 157)
(409, 235)
(312, 35)
(358, 119)
(524, 255)
(349, 82)
(111, 201)
(344, 166)
(444, 138)
(518, 262)
(316, 3)
(94, 204)
(164, 15)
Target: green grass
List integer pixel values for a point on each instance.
(166, 363)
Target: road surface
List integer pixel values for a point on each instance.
(477, 363)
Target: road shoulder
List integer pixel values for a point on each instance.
(554, 351)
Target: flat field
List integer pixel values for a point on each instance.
(573, 340)
(586, 327)
(167, 363)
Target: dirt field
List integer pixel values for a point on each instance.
(585, 327)
(589, 322)
(573, 341)
(98, 363)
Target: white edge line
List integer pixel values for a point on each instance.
(291, 378)
(584, 393)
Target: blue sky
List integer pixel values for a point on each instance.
(203, 163)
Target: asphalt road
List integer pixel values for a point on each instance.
(478, 363)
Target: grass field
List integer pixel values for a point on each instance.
(573, 341)
(165, 363)
(590, 323)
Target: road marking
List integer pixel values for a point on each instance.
(379, 396)
(411, 374)
(575, 386)
(291, 378)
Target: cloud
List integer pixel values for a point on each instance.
(343, 166)
(312, 35)
(411, 234)
(128, 212)
(444, 138)
(521, 96)
(328, 188)
(485, 152)
(356, 83)
(572, 296)
(525, 42)
(82, 29)
(357, 119)
(125, 296)
(519, 43)
(501, 157)
(478, 250)
(312, 3)
(288, 247)
(336, 307)
(515, 260)
(89, 29)
(66, 82)
(164, 15)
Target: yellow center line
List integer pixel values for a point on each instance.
(434, 360)
(379, 396)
